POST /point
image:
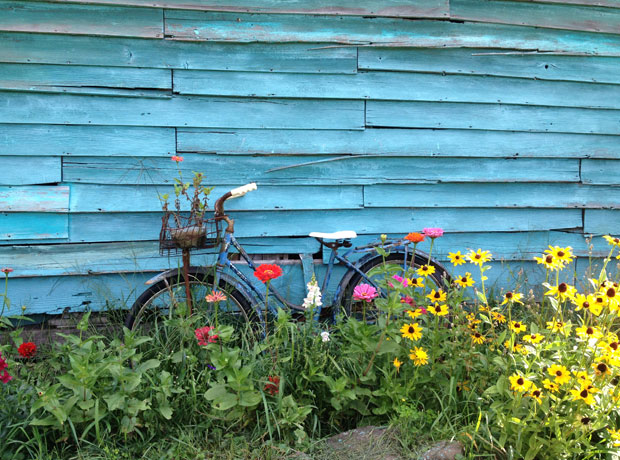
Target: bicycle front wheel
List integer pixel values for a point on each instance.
(393, 262)
(157, 302)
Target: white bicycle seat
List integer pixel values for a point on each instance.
(343, 235)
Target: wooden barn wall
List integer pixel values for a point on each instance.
(496, 120)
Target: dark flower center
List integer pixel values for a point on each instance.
(464, 280)
(584, 393)
(586, 305)
(536, 393)
(558, 373)
(477, 256)
(520, 381)
(585, 420)
(589, 331)
(611, 292)
(411, 330)
(613, 345)
(509, 295)
(616, 240)
(549, 259)
(478, 335)
(602, 368)
(562, 288)
(560, 253)
(437, 295)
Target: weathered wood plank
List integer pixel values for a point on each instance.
(483, 195)
(223, 169)
(600, 172)
(65, 140)
(389, 86)
(607, 3)
(37, 198)
(182, 111)
(601, 222)
(169, 54)
(503, 245)
(388, 8)
(491, 116)
(114, 198)
(100, 227)
(85, 79)
(397, 142)
(76, 259)
(22, 171)
(33, 226)
(554, 16)
(507, 63)
(67, 18)
(240, 27)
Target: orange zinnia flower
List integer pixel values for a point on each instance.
(415, 237)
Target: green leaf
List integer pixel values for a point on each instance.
(115, 401)
(165, 411)
(249, 398)
(145, 366)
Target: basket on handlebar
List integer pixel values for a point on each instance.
(183, 232)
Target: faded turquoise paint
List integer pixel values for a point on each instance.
(452, 124)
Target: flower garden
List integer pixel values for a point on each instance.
(508, 376)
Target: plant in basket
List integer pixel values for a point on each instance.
(180, 228)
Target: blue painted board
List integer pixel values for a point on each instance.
(15, 226)
(398, 142)
(502, 245)
(600, 172)
(507, 63)
(169, 54)
(240, 27)
(76, 259)
(86, 79)
(19, 170)
(114, 198)
(223, 169)
(587, 269)
(601, 222)
(391, 8)
(34, 198)
(66, 18)
(379, 85)
(28, 140)
(182, 111)
(505, 195)
(555, 16)
(93, 227)
(491, 116)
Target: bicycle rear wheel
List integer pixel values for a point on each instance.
(394, 260)
(156, 302)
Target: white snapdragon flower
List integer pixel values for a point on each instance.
(325, 336)
(313, 299)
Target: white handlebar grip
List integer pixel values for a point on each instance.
(240, 191)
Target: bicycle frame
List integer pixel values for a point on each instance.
(225, 262)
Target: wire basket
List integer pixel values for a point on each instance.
(180, 233)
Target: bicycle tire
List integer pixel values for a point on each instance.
(146, 304)
(439, 278)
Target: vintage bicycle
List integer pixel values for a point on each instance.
(245, 297)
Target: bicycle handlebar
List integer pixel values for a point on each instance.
(234, 193)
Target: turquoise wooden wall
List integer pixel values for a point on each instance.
(496, 120)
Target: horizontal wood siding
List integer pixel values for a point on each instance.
(498, 120)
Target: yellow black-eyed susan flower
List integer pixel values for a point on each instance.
(588, 332)
(477, 338)
(519, 383)
(563, 254)
(588, 303)
(517, 326)
(550, 262)
(535, 393)
(418, 356)
(465, 280)
(500, 318)
(612, 296)
(583, 378)
(425, 270)
(478, 257)
(612, 240)
(561, 374)
(413, 314)
(415, 282)
(551, 386)
(411, 331)
(456, 258)
(439, 309)
(397, 363)
(513, 297)
(533, 338)
(584, 394)
(562, 291)
(601, 369)
(437, 296)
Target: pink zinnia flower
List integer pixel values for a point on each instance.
(6, 270)
(215, 296)
(5, 377)
(407, 300)
(365, 292)
(204, 336)
(397, 278)
(177, 158)
(433, 232)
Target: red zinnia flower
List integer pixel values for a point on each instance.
(6, 270)
(204, 336)
(415, 237)
(266, 272)
(176, 158)
(27, 350)
(273, 387)
(5, 377)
